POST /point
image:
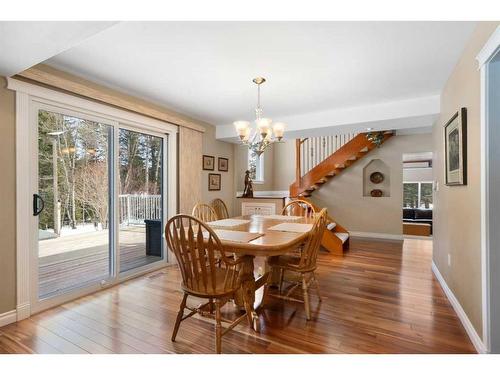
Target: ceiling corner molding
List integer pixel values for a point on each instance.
(46, 75)
(489, 49)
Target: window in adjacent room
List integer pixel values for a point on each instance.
(417, 194)
(256, 166)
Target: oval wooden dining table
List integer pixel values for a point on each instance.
(269, 243)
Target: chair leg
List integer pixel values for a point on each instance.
(306, 297)
(180, 314)
(218, 328)
(282, 275)
(317, 286)
(211, 306)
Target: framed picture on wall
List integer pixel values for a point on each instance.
(214, 181)
(455, 149)
(223, 164)
(208, 163)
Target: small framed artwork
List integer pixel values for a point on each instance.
(208, 163)
(455, 149)
(214, 181)
(223, 164)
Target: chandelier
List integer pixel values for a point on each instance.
(265, 133)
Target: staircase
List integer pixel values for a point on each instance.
(322, 159)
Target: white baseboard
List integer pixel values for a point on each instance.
(469, 328)
(8, 318)
(384, 236)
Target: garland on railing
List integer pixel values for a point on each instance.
(375, 137)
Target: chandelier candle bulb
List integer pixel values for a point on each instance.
(242, 128)
(279, 130)
(246, 137)
(263, 124)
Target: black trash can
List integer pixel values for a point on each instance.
(153, 237)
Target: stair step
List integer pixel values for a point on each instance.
(331, 226)
(331, 174)
(311, 188)
(339, 166)
(352, 158)
(322, 181)
(342, 236)
(305, 194)
(364, 149)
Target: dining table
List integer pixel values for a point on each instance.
(252, 236)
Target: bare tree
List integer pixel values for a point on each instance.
(92, 190)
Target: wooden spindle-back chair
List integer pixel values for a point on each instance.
(303, 264)
(220, 209)
(204, 212)
(206, 271)
(298, 207)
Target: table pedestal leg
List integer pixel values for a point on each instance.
(248, 287)
(246, 298)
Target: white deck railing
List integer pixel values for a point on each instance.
(315, 150)
(135, 208)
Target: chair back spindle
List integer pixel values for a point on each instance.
(198, 251)
(298, 207)
(220, 209)
(311, 247)
(204, 212)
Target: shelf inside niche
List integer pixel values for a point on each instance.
(377, 165)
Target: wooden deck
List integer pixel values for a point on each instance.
(381, 297)
(71, 261)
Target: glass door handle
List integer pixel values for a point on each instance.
(37, 210)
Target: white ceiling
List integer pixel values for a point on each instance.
(24, 44)
(204, 69)
(322, 76)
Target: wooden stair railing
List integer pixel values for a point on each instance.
(336, 237)
(341, 159)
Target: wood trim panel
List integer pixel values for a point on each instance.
(189, 180)
(55, 78)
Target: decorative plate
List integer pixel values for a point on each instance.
(376, 193)
(376, 177)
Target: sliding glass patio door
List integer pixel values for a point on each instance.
(99, 202)
(140, 199)
(73, 202)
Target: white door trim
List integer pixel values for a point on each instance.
(29, 97)
(23, 199)
(489, 50)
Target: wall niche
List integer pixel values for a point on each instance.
(377, 165)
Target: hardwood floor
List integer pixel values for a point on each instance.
(381, 297)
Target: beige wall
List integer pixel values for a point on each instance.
(216, 148)
(8, 199)
(457, 208)
(343, 195)
(284, 165)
